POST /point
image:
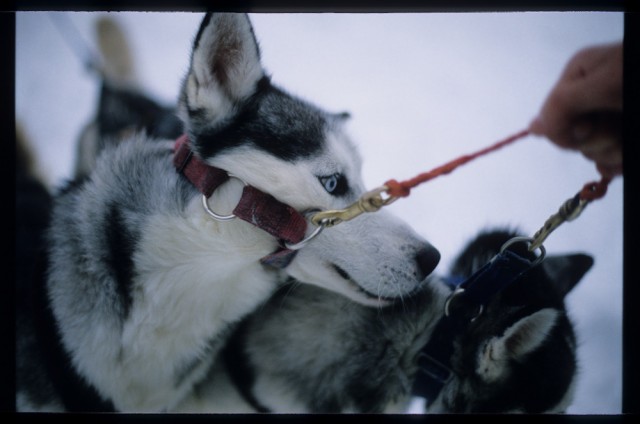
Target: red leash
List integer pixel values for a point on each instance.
(595, 190)
(568, 211)
(590, 191)
(374, 200)
(403, 189)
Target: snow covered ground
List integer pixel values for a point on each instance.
(422, 89)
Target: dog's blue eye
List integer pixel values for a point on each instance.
(335, 184)
(330, 183)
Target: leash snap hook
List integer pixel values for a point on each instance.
(370, 201)
(532, 247)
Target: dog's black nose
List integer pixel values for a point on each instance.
(427, 260)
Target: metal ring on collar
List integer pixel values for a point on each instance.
(217, 217)
(543, 251)
(457, 292)
(303, 242)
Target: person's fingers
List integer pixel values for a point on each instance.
(609, 171)
(599, 138)
(591, 82)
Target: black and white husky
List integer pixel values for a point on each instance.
(310, 350)
(142, 287)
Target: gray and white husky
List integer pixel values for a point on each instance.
(309, 350)
(141, 287)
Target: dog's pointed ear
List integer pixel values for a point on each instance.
(224, 71)
(522, 338)
(567, 270)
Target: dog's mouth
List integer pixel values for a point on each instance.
(358, 288)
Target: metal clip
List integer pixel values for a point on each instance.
(370, 201)
(569, 210)
(543, 251)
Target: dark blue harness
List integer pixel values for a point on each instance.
(464, 305)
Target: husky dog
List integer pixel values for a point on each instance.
(519, 355)
(141, 287)
(309, 350)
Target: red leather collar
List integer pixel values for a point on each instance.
(255, 207)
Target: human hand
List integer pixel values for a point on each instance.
(583, 111)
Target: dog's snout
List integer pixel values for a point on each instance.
(427, 260)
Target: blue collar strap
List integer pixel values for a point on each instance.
(502, 270)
